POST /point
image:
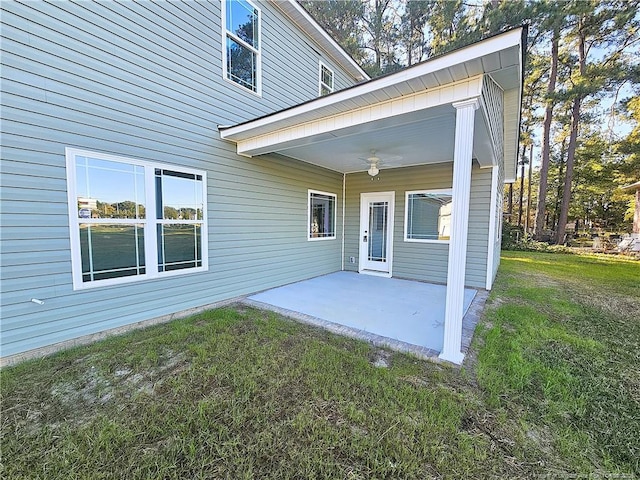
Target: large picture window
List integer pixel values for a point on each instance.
(242, 43)
(322, 215)
(428, 216)
(131, 219)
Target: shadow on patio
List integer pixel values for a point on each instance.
(404, 315)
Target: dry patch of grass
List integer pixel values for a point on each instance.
(241, 393)
(549, 387)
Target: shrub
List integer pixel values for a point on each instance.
(528, 245)
(511, 235)
(514, 238)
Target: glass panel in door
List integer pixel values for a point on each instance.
(378, 222)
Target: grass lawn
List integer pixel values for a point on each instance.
(551, 387)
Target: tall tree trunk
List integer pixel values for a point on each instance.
(527, 213)
(556, 208)
(510, 203)
(521, 162)
(636, 214)
(571, 151)
(546, 134)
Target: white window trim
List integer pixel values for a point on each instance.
(321, 83)
(448, 191)
(335, 215)
(150, 243)
(258, 51)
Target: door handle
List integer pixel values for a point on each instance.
(364, 237)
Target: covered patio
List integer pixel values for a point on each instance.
(404, 315)
(423, 154)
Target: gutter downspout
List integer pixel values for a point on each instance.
(344, 178)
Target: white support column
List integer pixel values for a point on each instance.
(462, 160)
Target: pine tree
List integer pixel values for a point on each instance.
(611, 25)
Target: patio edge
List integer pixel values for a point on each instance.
(355, 333)
(472, 317)
(469, 322)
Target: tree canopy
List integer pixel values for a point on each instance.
(581, 110)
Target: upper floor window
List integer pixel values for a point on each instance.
(325, 80)
(131, 219)
(428, 216)
(322, 215)
(242, 43)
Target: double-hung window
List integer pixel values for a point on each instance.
(325, 80)
(428, 216)
(242, 43)
(322, 215)
(131, 219)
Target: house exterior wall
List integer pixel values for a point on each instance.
(144, 80)
(413, 260)
(505, 172)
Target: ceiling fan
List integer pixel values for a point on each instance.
(375, 162)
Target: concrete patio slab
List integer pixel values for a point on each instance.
(402, 314)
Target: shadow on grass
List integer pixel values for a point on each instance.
(550, 385)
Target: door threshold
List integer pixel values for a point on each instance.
(375, 273)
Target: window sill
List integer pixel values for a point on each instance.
(243, 88)
(115, 282)
(318, 239)
(415, 240)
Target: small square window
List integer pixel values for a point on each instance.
(428, 216)
(322, 215)
(325, 80)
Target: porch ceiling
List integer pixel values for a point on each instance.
(398, 142)
(420, 138)
(406, 117)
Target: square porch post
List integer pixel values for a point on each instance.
(461, 192)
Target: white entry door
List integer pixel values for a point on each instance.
(376, 232)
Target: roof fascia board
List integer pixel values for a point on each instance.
(311, 22)
(477, 50)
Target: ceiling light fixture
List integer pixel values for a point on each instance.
(373, 164)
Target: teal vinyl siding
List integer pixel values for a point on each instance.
(287, 61)
(422, 261)
(144, 80)
(479, 214)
